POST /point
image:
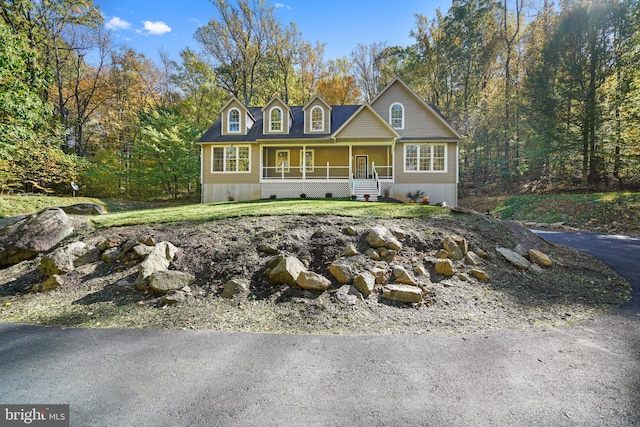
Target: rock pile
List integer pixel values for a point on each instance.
(153, 269)
(374, 268)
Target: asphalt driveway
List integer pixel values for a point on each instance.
(587, 374)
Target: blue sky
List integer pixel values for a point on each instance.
(148, 25)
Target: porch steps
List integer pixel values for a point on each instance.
(365, 186)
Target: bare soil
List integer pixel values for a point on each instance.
(103, 295)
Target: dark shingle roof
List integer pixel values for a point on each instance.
(339, 115)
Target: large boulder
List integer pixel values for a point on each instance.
(403, 276)
(444, 267)
(169, 280)
(82, 209)
(286, 270)
(343, 272)
(514, 258)
(455, 247)
(158, 260)
(32, 235)
(381, 237)
(312, 281)
(233, 287)
(540, 258)
(365, 282)
(68, 258)
(402, 293)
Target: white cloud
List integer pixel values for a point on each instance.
(154, 28)
(279, 5)
(116, 23)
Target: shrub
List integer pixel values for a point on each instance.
(328, 195)
(416, 195)
(273, 197)
(303, 196)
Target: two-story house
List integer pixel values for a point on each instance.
(393, 145)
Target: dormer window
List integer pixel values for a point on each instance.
(234, 120)
(275, 119)
(396, 115)
(317, 119)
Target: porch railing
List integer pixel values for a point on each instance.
(311, 172)
(374, 175)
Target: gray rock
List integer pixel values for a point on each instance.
(235, 287)
(342, 272)
(402, 293)
(173, 297)
(347, 294)
(514, 258)
(141, 250)
(32, 235)
(158, 260)
(110, 242)
(403, 275)
(388, 255)
(311, 281)
(381, 237)
(365, 282)
(82, 209)
(472, 259)
(147, 239)
(398, 233)
(442, 254)
(5, 222)
(286, 270)
(170, 280)
(111, 255)
(68, 258)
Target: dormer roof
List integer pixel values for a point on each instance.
(312, 101)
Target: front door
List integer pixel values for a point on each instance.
(362, 168)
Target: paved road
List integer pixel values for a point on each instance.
(582, 375)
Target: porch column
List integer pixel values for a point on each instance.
(304, 162)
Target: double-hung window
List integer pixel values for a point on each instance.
(234, 120)
(396, 114)
(317, 119)
(425, 158)
(233, 158)
(275, 119)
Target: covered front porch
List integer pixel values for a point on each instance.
(316, 170)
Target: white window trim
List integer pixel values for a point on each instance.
(281, 120)
(311, 119)
(287, 167)
(224, 158)
(229, 121)
(311, 167)
(420, 147)
(391, 117)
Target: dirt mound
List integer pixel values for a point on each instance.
(576, 287)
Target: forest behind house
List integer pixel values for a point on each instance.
(545, 95)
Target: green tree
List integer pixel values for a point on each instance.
(168, 158)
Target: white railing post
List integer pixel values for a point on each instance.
(327, 169)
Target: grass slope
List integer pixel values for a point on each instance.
(30, 203)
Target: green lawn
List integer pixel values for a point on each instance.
(213, 211)
(28, 204)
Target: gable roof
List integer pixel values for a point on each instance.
(231, 100)
(319, 98)
(363, 110)
(430, 107)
